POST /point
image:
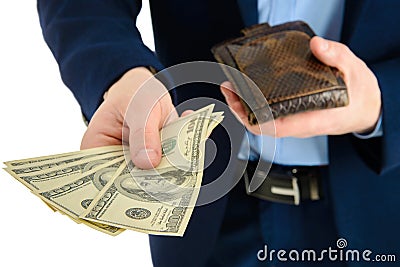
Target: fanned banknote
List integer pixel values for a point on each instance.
(101, 188)
(91, 151)
(158, 201)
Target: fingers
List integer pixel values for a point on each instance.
(144, 143)
(93, 139)
(103, 129)
(233, 101)
(236, 106)
(135, 108)
(333, 53)
(362, 86)
(187, 112)
(307, 124)
(172, 116)
(299, 125)
(363, 92)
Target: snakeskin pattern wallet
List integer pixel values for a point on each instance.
(279, 61)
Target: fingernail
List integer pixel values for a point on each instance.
(324, 45)
(225, 95)
(146, 154)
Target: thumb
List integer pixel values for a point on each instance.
(144, 142)
(146, 114)
(332, 53)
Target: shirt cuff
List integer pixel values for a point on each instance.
(377, 132)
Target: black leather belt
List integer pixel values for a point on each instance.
(286, 184)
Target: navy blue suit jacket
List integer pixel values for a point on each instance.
(96, 41)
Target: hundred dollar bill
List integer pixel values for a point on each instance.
(49, 178)
(56, 162)
(94, 151)
(215, 119)
(179, 138)
(74, 197)
(104, 228)
(69, 182)
(158, 201)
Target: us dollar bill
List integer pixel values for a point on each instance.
(74, 197)
(49, 178)
(96, 187)
(43, 159)
(158, 201)
(55, 162)
(215, 119)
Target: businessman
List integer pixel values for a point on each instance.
(353, 152)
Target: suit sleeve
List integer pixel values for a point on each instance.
(94, 42)
(383, 153)
(387, 73)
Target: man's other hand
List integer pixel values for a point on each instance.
(361, 115)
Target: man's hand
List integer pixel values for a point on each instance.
(149, 110)
(361, 115)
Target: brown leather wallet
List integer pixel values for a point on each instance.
(279, 61)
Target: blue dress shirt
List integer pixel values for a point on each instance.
(325, 18)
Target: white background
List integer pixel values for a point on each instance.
(39, 116)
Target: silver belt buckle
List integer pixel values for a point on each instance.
(294, 191)
(283, 190)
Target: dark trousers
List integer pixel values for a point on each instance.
(251, 225)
